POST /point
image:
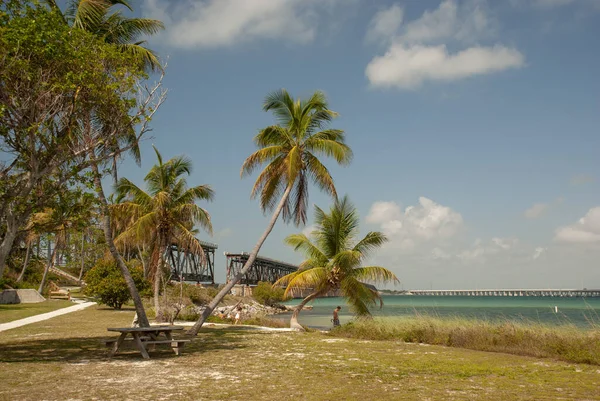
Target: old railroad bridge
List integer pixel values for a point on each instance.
(567, 293)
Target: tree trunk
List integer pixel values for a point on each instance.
(225, 290)
(137, 300)
(294, 320)
(82, 255)
(142, 260)
(115, 175)
(25, 262)
(51, 257)
(157, 278)
(12, 228)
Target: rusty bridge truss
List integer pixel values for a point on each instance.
(189, 266)
(263, 269)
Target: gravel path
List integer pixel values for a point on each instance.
(44, 316)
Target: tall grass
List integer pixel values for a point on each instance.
(567, 343)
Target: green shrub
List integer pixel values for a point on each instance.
(196, 294)
(106, 282)
(267, 294)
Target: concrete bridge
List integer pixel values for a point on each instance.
(586, 293)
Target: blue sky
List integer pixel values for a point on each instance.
(474, 126)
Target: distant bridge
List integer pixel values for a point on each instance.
(586, 293)
(190, 266)
(263, 269)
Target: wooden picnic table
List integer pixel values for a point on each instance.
(145, 336)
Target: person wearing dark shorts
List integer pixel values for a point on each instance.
(336, 317)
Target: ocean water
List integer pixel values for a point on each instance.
(582, 312)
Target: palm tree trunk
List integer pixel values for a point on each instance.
(141, 255)
(135, 295)
(25, 263)
(157, 278)
(225, 290)
(51, 257)
(294, 320)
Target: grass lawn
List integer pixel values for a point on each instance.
(11, 312)
(64, 358)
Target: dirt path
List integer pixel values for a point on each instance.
(44, 316)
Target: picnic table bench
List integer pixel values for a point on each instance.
(144, 337)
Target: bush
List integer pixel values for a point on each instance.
(267, 294)
(106, 282)
(195, 294)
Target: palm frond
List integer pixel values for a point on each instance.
(359, 296)
(259, 157)
(374, 274)
(313, 278)
(372, 241)
(320, 174)
(302, 243)
(281, 104)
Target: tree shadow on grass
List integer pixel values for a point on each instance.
(87, 349)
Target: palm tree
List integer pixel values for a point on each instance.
(164, 215)
(334, 261)
(290, 151)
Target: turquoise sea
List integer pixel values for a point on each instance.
(582, 312)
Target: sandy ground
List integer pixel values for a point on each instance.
(44, 316)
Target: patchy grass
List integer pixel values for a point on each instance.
(566, 343)
(52, 359)
(9, 313)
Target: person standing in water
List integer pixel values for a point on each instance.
(336, 317)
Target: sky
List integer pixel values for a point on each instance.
(474, 126)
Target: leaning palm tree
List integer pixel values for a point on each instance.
(165, 214)
(334, 261)
(290, 151)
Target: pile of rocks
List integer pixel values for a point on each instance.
(250, 309)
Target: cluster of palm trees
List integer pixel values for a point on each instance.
(291, 152)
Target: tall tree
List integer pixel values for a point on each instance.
(99, 18)
(334, 261)
(49, 94)
(165, 214)
(290, 150)
(66, 107)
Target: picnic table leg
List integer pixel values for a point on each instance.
(176, 347)
(115, 347)
(140, 345)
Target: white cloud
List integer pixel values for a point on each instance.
(426, 222)
(385, 23)
(408, 67)
(419, 53)
(539, 251)
(464, 23)
(480, 251)
(214, 23)
(438, 253)
(382, 212)
(586, 230)
(536, 210)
